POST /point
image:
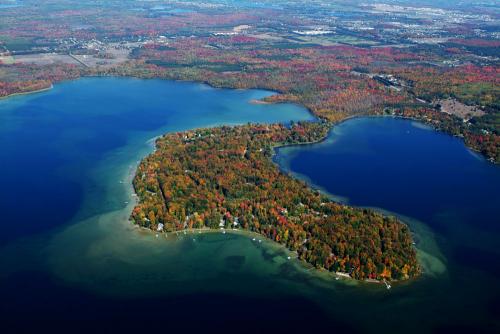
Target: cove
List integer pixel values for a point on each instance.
(71, 261)
(413, 171)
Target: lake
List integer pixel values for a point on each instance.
(71, 261)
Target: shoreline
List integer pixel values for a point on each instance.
(256, 237)
(251, 235)
(259, 101)
(27, 93)
(248, 233)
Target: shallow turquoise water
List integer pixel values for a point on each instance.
(69, 254)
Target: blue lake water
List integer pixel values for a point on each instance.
(71, 261)
(52, 142)
(410, 170)
(11, 4)
(402, 166)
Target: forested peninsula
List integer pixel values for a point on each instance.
(224, 177)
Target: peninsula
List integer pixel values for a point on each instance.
(223, 178)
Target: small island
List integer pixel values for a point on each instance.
(224, 178)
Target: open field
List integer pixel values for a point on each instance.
(454, 107)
